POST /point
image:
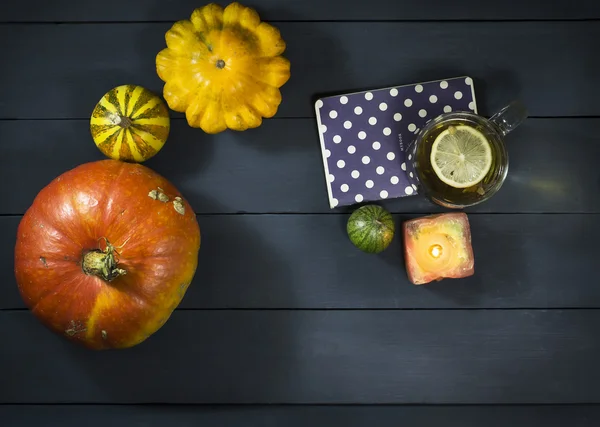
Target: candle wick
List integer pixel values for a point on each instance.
(435, 251)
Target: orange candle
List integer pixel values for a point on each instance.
(438, 247)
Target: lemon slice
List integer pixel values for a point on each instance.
(461, 156)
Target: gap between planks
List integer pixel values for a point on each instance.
(302, 21)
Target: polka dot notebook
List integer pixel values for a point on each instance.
(364, 136)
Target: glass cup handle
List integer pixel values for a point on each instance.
(511, 116)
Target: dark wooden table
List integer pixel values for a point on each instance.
(287, 324)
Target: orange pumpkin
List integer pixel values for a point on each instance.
(106, 252)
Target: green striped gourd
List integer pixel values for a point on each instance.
(371, 228)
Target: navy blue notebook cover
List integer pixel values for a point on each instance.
(364, 134)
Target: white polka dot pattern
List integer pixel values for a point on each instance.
(365, 136)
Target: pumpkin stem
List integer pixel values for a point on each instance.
(220, 64)
(102, 263)
(125, 122)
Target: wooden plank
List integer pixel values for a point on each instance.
(332, 10)
(327, 357)
(506, 59)
(297, 416)
(306, 261)
(279, 167)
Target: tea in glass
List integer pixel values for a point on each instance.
(460, 158)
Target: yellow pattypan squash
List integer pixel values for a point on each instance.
(223, 68)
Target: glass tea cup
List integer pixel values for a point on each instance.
(471, 131)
